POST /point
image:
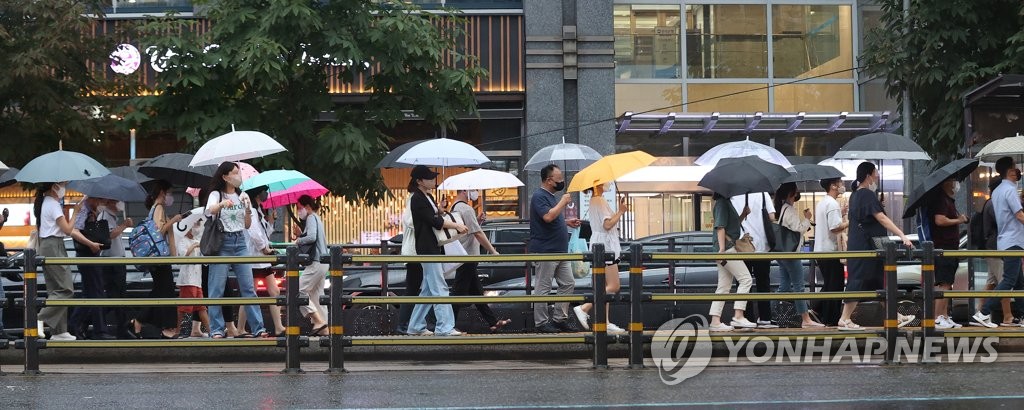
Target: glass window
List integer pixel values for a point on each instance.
(814, 97)
(873, 97)
(727, 97)
(139, 6)
(647, 42)
(810, 41)
(643, 97)
(726, 41)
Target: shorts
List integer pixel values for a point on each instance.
(262, 272)
(945, 270)
(995, 271)
(190, 292)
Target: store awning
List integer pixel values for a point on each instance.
(752, 124)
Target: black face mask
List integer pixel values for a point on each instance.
(559, 186)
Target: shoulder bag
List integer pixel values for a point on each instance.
(213, 234)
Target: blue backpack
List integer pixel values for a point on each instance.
(146, 239)
(924, 227)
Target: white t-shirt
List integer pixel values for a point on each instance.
(259, 237)
(48, 217)
(599, 212)
(192, 274)
(827, 216)
(233, 217)
(469, 241)
(753, 224)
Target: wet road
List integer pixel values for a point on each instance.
(506, 384)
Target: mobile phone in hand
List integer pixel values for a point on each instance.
(6, 212)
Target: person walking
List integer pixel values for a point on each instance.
(548, 234)
(232, 209)
(1010, 222)
(605, 230)
(426, 218)
(93, 278)
(726, 232)
(311, 282)
(760, 270)
(829, 226)
(52, 228)
(990, 231)
(793, 278)
(867, 221)
(945, 223)
(259, 232)
(413, 270)
(467, 282)
(158, 201)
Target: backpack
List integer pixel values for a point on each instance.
(146, 239)
(924, 227)
(976, 229)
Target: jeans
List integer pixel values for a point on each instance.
(793, 281)
(234, 245)
(433, 285)
(1011, 275)
(413, 280)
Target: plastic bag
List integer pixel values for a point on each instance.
(580, 269)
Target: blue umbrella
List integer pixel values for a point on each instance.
(59, 166)
(110, 187)
(275, 180)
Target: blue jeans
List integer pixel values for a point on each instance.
(1011, 275)
(792, 280)
(433, 285)
(234, 245)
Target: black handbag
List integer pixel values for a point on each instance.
(213, 236)
(786, 240)
(96, 230)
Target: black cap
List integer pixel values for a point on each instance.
(422, 172)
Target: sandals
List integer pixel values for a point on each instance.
(316, 331)
(500, 324)
(245, 335)
(218, 336)
(848, 325)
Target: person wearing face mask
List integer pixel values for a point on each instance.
(312, 279)
(158, 201)
(93, 278)
(548, 234)
(1009, 218)
(829, 225)
(945, 223)
(605, 225)
(867, 221)
(467, 282)
(114, 276)
(52, 228)
(259, 232)
(190, 280)
(793, 278)
(233, 210)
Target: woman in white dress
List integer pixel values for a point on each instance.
(605, 226)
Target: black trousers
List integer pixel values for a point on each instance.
(761, 272)
(413, 281)
(92, 288)
(116, 286)
(467, 283)
(832, 275)
(163, 287)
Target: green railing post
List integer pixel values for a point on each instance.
(636, 311)
(31, 314)
(600, 327)
(336, 362)
(292, 339)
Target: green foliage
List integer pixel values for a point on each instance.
(268, 72)
(949, 48)
(48, 90)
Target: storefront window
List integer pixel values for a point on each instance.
(810, 41)
(663, 98)
(726, 41)
(814, 97)
(727, 97)
(647, 42)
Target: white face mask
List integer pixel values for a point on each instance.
(197, 231)
(102, 209)
(303, 213)
(474, 195)
(120, 207)
(842, 189)
(60, 191)
(956, 187)
(168, 200)
(608, 187)
(873, 186)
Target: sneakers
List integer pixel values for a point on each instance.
(39, 326)
(454, 332)
(983, 320)
(943, 322)
(743, 323)
(548, 327)
(904, 319)
(721, 327)
(582, 317)
(615, 330)
(766, 324)
(63, 337)
(564, 326)
(425, 332)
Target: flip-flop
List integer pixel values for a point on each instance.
(245, 336)
(316, 332)
(500, 324)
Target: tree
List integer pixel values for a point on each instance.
(50, 90)
(263, 65)
(948, 48)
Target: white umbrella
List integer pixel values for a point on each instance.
(737, 149)
(480, 179)
(567, 156)
(443, 152)
(236, 146)
(1009, 146)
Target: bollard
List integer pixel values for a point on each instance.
(636, 312)
(31, 314)
(336, 362)
(928, 303)
(600, 327)
(891, 322)
(292, 340)
(672, 277)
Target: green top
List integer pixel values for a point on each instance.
(725, 217)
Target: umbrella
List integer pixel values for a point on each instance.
(130, 172)
(60, 166)
(245, 170)
(881, 145)
(1009, 146)
(3, 167)
(390, 160)
(7, 178)
(275, 180)
(291, 195)
(569, 157)
(186, 222)
(480, 179)
(609, 168)
(812, 172)
(110, 186)
(744, 175)
(174, 168)
(236, 146)
(442, 152)
(959, 169)
(737, 149)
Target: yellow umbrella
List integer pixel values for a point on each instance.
(609, 168)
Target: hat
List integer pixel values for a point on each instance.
(422, 172)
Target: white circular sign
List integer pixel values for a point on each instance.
(125, 59)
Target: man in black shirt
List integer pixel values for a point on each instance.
(945, 229)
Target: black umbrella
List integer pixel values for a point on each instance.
(7, 178)
(959, 170)
(174, 168)
(812, 172)
(881, 145)
(110, 186)
(130, 172)
(744, 175)
(391, 159)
